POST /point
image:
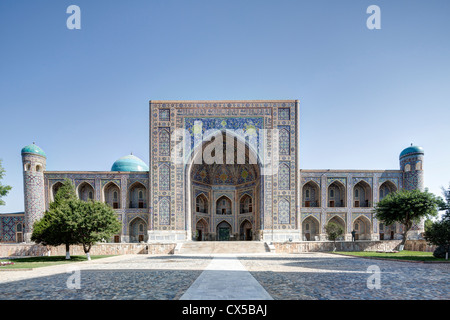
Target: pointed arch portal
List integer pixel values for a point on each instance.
(227, 190)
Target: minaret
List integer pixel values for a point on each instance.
(34, 162)
(411, 164)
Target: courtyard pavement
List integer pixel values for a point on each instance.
(306, 276)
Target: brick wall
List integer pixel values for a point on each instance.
(321, 246)
(10, 250)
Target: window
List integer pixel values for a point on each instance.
(91, 195)
(407, 167)
(307, 193)
(307, 226)
(418, 165)
(38, 168)
(331, 193)
(356, 193)
(140, 195)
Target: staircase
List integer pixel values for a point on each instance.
(210, 247)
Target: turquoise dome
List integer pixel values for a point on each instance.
(129, 163)
(34, 149)
(411, 150)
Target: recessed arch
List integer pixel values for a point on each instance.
(201, 228)
(310, 228)
(224, 205)
(138, 230)
(201, 203)
(362, 227)
(362, 195)
(112, 194)
(284, 177)
(246, 230)
(336, 194)
(223, 230)
(311, 194)
(246, 204)
(85, 191)
(137, 195)
(164, 142)
(250, 177)
(284, 211)
(55, 188)
(19, 231)
(386, 188)
(338, 220)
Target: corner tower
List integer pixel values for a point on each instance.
(411, 165)
(34, 163)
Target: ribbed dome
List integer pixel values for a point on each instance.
(34, 149)
(411, 150)
(129, 163)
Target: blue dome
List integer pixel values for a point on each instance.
(129, 163)
(34, 149)
(412, 150)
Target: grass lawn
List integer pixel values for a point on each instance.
(37, 262)
(402, 255)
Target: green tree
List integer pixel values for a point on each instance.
(72, 221)
(334, 231)
(428, 224)
(439, 234)
(446, 205)
(407, 207)
(97, 222)
(55, 227)
(3, 189)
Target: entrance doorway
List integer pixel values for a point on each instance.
(246, 231)
(223, 231)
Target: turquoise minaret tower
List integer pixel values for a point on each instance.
(34, 162)
(411, 164)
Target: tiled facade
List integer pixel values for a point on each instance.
(184, 197)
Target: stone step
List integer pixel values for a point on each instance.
(209, 247)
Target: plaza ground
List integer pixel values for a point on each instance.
(306, 276)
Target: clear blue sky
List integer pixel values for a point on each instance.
(365, 95)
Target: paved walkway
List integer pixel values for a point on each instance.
(306, 276)
(225, 278)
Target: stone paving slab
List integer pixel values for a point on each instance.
(225, 278)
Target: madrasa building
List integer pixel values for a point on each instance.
(222, 171)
